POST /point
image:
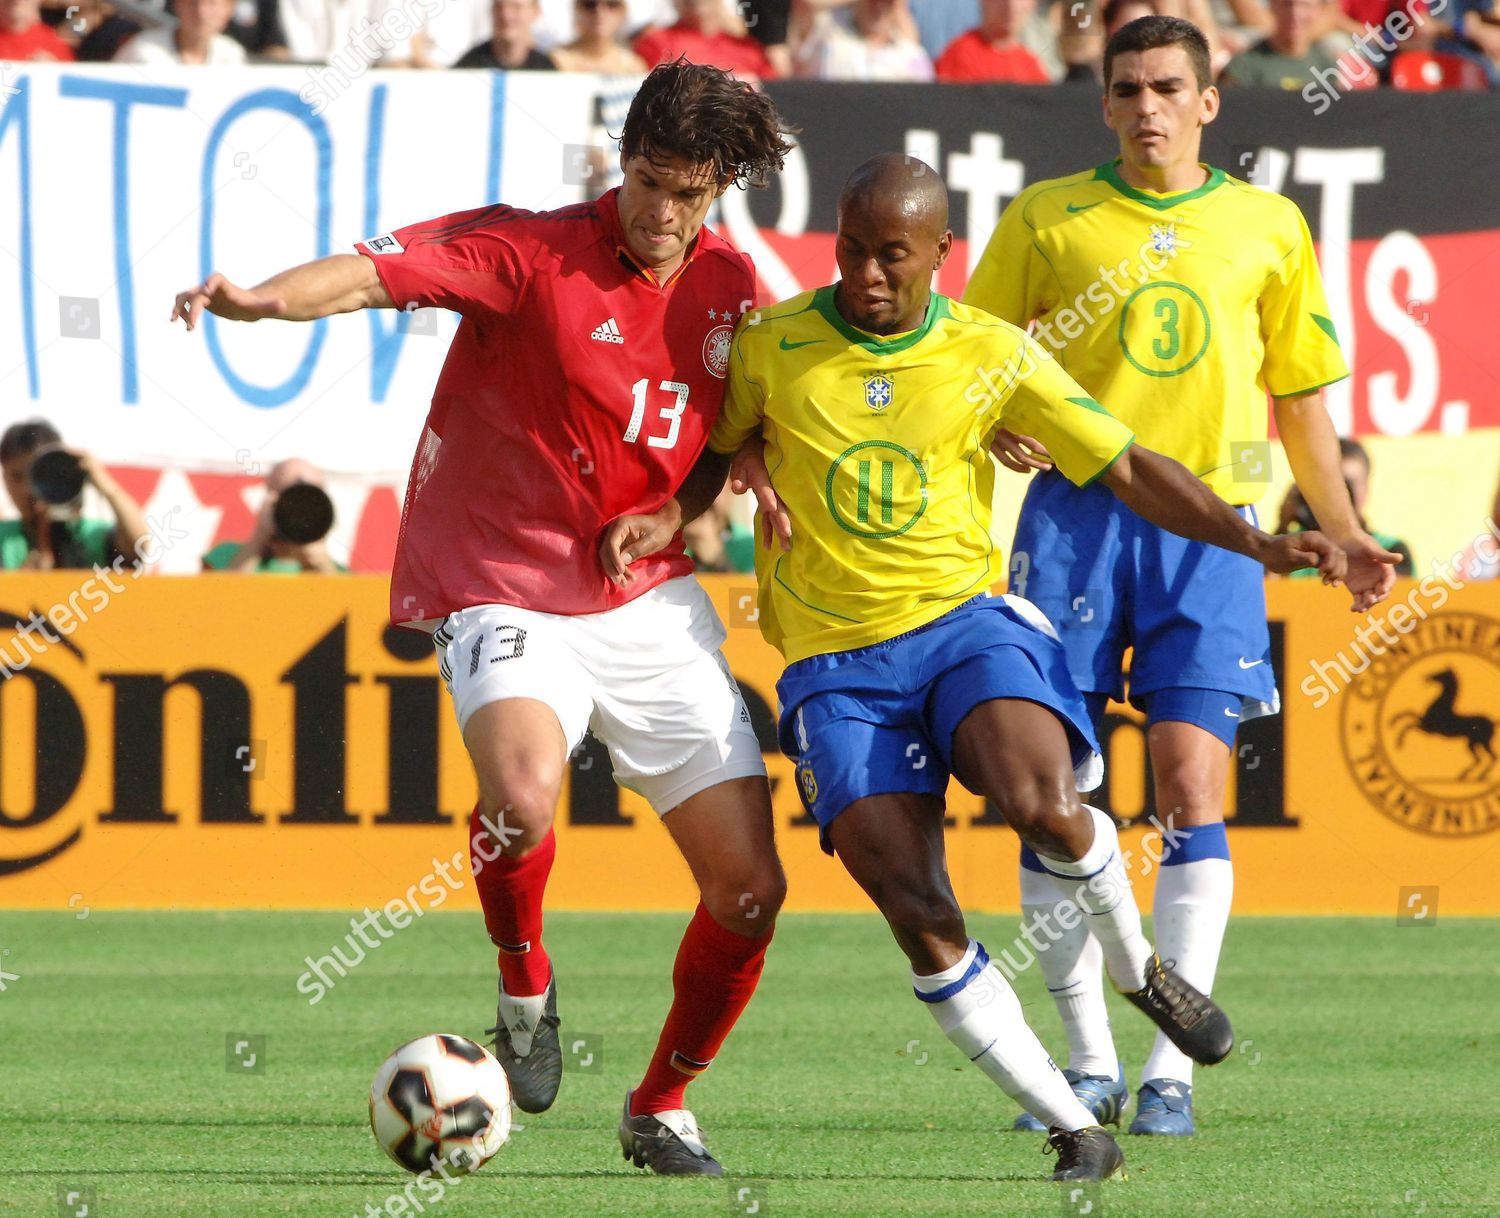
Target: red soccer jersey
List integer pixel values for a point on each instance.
(971, 57)
(577, 389)
(737, 56)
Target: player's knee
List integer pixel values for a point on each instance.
(747, 901)
(1038, 811)
(518, 816)
(1188, 789)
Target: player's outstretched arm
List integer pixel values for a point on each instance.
(1166, 494)
(1312, 448)
(341, 283)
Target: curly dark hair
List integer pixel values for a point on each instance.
(705, 115)
(1149, 33)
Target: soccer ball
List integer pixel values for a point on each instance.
(441, 1099)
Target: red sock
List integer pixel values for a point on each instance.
(715, 974)
(510, 890)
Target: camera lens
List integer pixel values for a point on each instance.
(56, 476)
(303, 513)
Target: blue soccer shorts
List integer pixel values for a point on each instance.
(1193, 614)
(881, 719)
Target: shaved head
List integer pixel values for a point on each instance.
(893, 236)
(898, 186)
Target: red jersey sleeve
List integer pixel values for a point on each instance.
(470, 262)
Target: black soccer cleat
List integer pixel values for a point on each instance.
(669, 1143)
(535, 1075)
(1190, 1019)
(1085, 1154)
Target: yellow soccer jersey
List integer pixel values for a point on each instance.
(1179, 312)
(879, 447)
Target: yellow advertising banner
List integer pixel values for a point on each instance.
(228, 742)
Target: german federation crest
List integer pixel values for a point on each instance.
(879, 392)
(716, 350)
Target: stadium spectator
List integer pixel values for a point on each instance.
(939, 22)
(512, 45)
(256, 26)
(1360, 27)
(1286, 58)
(1123, 12)
(91, 28)
(50, 533)
(1475, 34)
(598, 46)
(558, 23)
(24, 35)
(703, 34)
(268, 549)
(360, 33)
(869, 41)
(198, 38)
(769, 22)
(991, 51)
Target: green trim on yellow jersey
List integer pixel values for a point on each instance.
(878, 344)
(1111, 174)
(1302, 393)
(1110, 463)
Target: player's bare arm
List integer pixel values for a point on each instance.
(634, 537)
(1166, 493)
(1312, 448)
(342, 283)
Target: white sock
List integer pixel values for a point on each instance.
(1191, 911)
(1097, 883)
(521, 1016)
(979, 1012)
(1071, 967)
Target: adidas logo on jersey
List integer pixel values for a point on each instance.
(609, 332)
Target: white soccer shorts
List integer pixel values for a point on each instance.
(647, 678)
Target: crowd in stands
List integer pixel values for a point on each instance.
(1413, 44)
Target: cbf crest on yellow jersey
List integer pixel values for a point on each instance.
(879, 447)
(1179, 312)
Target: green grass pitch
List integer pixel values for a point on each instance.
(1369, 1056)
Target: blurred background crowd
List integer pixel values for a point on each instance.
(1407, 44)
(72, 514)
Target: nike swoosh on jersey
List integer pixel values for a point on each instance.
(1244, 663)
(1085, 207)
(786, 346)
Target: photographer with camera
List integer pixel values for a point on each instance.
(290, 530)
(46, 480)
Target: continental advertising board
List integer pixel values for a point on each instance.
(231, 742)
